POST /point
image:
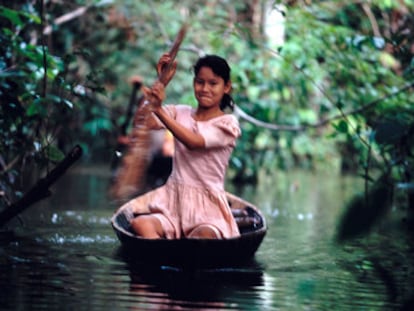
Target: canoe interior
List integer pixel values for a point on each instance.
(196, 252)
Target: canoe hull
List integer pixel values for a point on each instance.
(194, 252)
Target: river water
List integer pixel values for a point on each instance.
(64, 255)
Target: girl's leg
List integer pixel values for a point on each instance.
(147, 226)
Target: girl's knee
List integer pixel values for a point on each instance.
(205, 232)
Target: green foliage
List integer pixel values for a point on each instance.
(37, 103)
(333, 76)
(365, 78)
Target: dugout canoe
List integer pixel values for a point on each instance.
(195, 252)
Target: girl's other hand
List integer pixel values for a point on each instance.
(163, 69)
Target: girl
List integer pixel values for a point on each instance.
(192, 203)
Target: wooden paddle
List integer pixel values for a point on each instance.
(173, 53)
(131, 176)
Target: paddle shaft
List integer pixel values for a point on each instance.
(173, 53)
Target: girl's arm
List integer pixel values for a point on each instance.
(190, 139)
(187, 137)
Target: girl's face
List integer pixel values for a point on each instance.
(209, 88)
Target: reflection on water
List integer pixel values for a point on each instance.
(67, 257)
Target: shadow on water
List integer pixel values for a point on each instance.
(67, 257)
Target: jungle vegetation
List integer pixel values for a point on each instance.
(319, 85)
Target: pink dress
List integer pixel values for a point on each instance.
(194, 193)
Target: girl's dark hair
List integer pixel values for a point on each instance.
(221, 68)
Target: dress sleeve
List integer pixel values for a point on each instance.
(221, 132)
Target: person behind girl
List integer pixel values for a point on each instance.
(192, 203)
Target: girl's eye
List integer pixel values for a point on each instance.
(211, 83)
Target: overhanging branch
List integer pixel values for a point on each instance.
(292, 128)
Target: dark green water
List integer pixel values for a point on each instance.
(66, 256)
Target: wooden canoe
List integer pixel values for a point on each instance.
(195, 252)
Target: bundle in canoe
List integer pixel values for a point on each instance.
(195, 252)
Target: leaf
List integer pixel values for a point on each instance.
(36, 108)
(253, 92)
(54, 154)
(236, 162)
(341, 127)
(12, 15)
(100, 3)
(68, 103)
